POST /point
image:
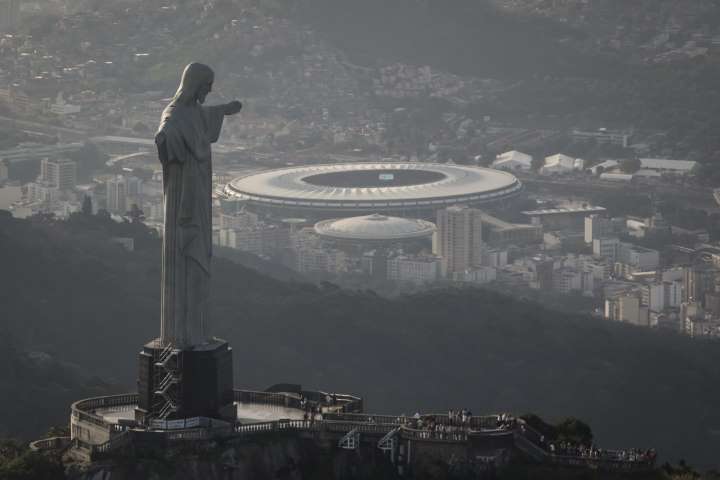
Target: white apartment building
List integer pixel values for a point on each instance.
(663, 295)
(627, 308)
(606, 247)
(317, 260)
(495, 258)
(513, 160)
(414, 269)
(122, 192)
(479, 275)
(567, 279)
(560, 163)
(41, 192)
(116, 195)
(640, 258)
(597, 226)
(458, 239)
(261, 238)
(600, 269)
(60, 173)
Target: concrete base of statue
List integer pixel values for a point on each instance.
(185, 383)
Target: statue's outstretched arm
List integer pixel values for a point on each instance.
(233, 107)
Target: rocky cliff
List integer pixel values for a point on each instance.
(285, 457)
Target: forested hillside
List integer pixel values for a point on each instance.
(65, 289)
(36, 389)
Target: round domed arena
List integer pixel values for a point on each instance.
(352, 189)
(374, 228)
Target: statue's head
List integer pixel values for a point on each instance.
(196, 83)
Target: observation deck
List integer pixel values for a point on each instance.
(103, 425)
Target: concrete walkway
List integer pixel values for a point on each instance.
(246, 413)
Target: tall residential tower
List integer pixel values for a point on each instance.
(459, 238)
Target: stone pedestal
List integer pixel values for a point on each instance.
(193, 382)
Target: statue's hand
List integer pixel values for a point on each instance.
(233, 107)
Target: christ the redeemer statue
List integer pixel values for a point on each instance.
(187, 129)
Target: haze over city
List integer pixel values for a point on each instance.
(341, 239)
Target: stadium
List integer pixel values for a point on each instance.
(345, 190)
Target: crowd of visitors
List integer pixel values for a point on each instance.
(572, 449)
(505, 421)
(453, 427)
(311, 411)
(460, 417)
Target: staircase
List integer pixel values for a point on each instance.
(529, 448)
(168, 378)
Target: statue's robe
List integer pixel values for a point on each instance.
(183, 142)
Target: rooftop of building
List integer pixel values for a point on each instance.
(374, 228)
(564, 210)
(500, 224)
(667, 164)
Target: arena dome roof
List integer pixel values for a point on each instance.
(373, 187)
(374, 227)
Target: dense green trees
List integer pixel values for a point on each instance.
(17, 462)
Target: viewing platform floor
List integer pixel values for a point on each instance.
(246, 413)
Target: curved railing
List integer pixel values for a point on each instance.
(312, 426)
(347, 403)
(342, 427)
(479, 423)
(365, 418)
(278, 399)
(488, 422)
(82, 409)
(338, 401)
(47, 444)
(434, 436)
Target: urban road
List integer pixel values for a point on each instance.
(65, 134)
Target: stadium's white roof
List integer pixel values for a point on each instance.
(451, 184)
(374, 228)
